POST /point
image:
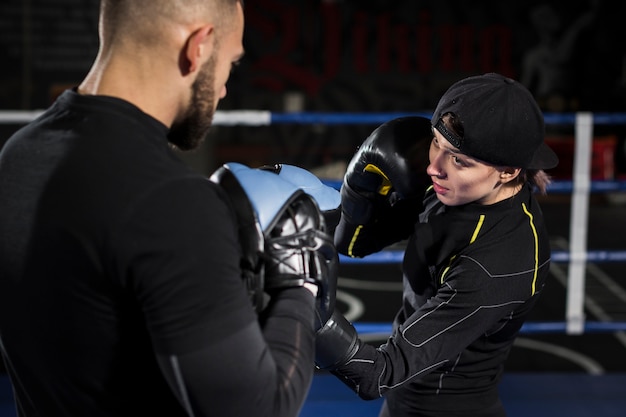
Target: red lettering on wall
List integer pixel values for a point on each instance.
(495, 50)
(466, 48)
(383, 40)
(402, 48)
(333, 39)
(294, 55)
(424, 48)
(446, 45)
(359, 43)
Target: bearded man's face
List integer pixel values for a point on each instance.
(189, 132)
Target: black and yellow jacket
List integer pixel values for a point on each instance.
(471, 275)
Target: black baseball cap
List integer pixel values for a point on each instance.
(502, 123)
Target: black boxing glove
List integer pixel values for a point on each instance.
(382, 190)
(335, 343)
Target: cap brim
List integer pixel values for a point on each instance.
(544, 158)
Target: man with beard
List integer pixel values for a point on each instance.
(121, 289)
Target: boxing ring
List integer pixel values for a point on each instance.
(542, 393)
(539, 394)
(580, 188)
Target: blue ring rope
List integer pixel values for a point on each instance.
(527, 328)
(264, 117)
(395, 257)
(382, 117)
(557, 187)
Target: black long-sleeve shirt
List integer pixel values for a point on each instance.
(471, 275)
(120, 281)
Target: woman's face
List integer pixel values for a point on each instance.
(459, 179)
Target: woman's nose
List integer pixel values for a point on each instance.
(434, 167)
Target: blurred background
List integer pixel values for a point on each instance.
(350, 56)
(379, 56)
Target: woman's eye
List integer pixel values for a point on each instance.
(457, 160)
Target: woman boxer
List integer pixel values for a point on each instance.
(476, 258)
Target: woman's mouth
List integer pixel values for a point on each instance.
(439, 189)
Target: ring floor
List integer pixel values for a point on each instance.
(523, 395)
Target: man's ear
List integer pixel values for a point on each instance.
(509, 173)
(199, 47)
